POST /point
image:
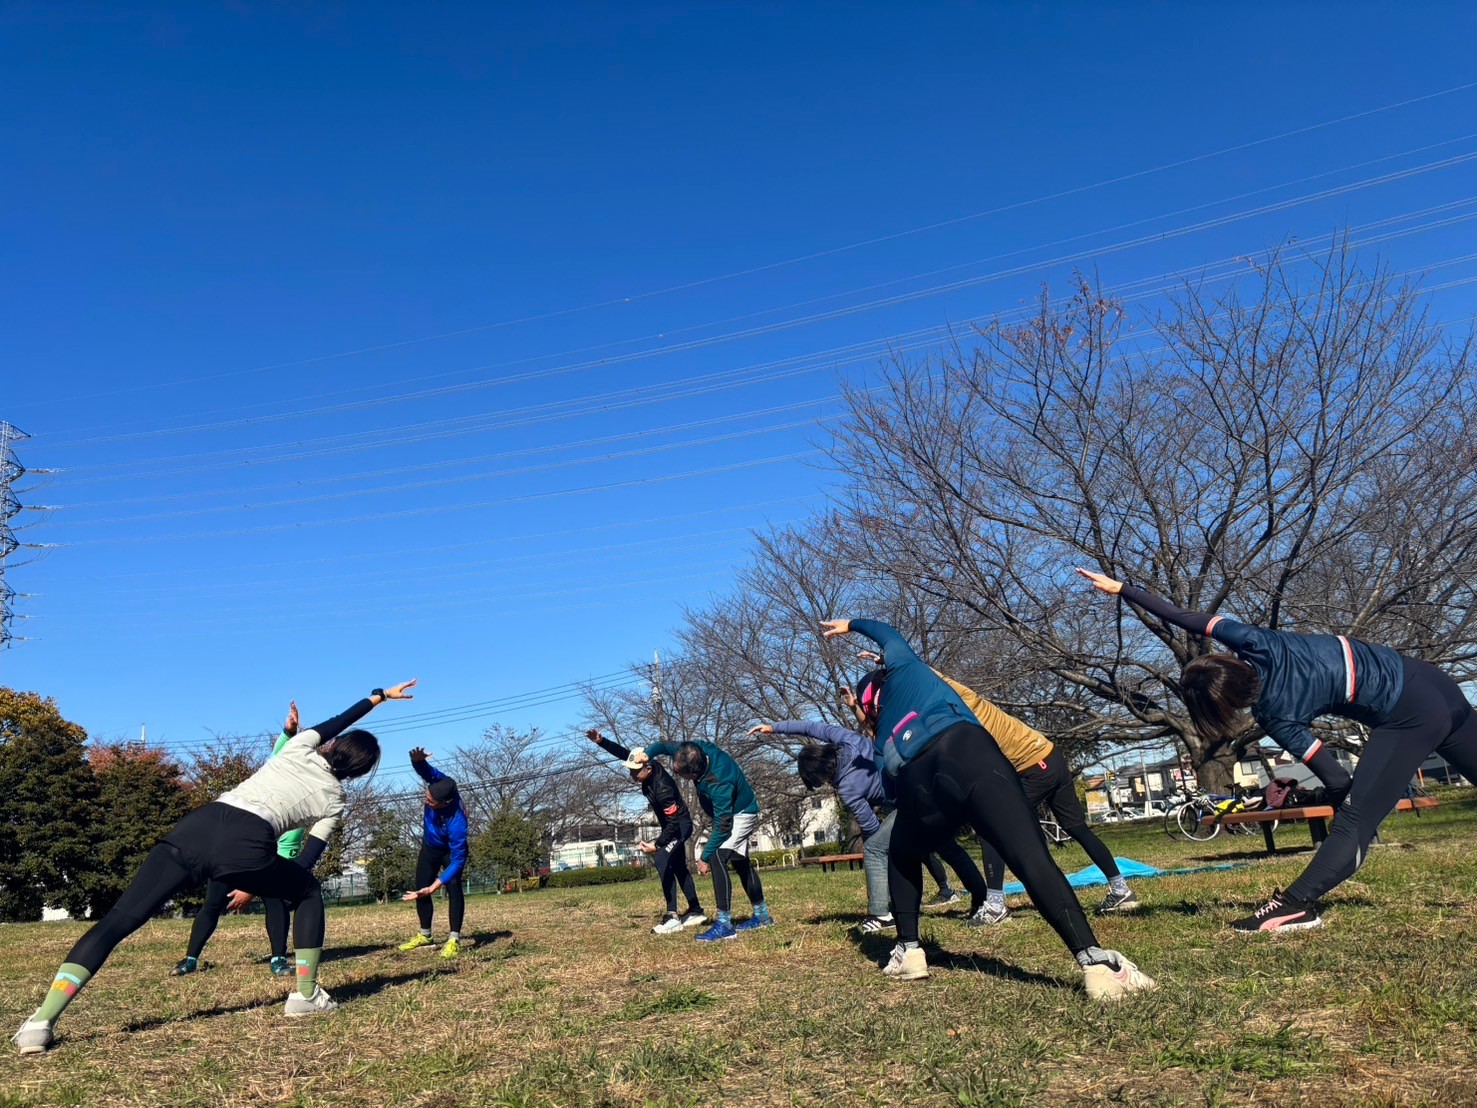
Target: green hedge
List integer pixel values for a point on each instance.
(777, 857)
(600, 875)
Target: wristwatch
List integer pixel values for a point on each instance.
(379, 693)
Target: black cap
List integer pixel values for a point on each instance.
(442, 790)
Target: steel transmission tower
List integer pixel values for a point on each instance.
(11, 471)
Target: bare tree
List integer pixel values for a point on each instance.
(1295, 454)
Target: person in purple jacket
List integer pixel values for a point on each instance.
(844, 760)
(443, 848)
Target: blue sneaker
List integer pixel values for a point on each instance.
(719, 930)
(753, 923)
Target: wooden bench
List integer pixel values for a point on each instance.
(829, 862)
(1316, 816)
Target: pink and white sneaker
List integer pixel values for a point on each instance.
(1281, 913)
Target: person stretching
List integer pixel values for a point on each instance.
(233, 840)
(444, 848)
(208, 917)
(728, 800)
(1046, 779)
(844, 760)
(669, 849)
(1287, 680)
(949, 771)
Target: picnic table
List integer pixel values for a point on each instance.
(829, 862)
(1315, 815)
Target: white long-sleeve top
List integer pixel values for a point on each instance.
(294, 788)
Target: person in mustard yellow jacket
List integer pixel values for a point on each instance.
(1048, 780)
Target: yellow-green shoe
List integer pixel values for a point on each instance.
(417, 942)
(451, 949)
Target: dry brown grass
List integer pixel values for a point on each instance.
(565, 999)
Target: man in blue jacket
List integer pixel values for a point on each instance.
(443, 848)
(728, 801)
(845, 760)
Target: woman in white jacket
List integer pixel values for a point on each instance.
(234, 840)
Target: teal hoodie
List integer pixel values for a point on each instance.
(723, 791)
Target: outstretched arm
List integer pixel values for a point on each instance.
(1197, 623)
(420, 762)
(332, 728)
(610, 746)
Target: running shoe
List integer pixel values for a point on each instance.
(1115, 978)
(1125, 901)
(1281, 913)
(946, 898)
(873, 924)
(417, 942)
(693, 917)
(451, 949)
(670, 925)
(184, 966)
(282, 965)
(906, 965)
(988, 913)
(34, 1037)
(753, 923)
(320, 1001)
(720, 930)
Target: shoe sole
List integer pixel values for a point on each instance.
(33, 1049)
(905, 976)
(1308, 926)
(1134, 907)
(311, 1012)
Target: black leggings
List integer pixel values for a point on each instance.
(963, 778)
(216, 894)
(723, 887)
(1432, 715)
(430, 863)
(961, 863)
(1050, 783)
(671, 867)
(216, 842)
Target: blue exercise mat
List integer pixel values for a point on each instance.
(1126, 866)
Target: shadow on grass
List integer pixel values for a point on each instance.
(877, 948)
(836, 917)
(339, 953)
(355, 990)
(1253, 854)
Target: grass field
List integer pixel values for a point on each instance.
(566, 999)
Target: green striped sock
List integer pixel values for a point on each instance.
(307, 971)
(68, 983)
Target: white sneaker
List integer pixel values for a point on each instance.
(669, 926)
(34, 1037)
(906, 965)
(873, 924)
(693, 919)
(1106, 981)
(320, 1001)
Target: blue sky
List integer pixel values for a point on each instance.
(468, 343)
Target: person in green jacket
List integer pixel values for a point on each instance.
(728, 801)
(218, 895)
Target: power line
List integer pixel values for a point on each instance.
(865, 306)
(815, 255)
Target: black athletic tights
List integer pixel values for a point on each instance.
(671, 867)
(216, 842)
(962, 778)
(962, 864)
(216, 895)
(1432, 715)
(1051, 783)
(430, 863)
(723, 885)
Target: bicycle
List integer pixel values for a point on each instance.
(1199, 817)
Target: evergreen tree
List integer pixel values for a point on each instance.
(511, 847)
(140, 797)
(48, 820)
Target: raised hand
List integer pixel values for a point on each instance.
(290, 724)
(399, 693)
(1102, 582)
(593, 735)
(762, 729)
(830, 628)
(419, 754)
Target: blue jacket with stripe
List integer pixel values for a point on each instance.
(1303, 676)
